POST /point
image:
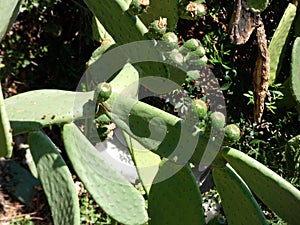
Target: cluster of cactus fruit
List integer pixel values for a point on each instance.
(173, 200)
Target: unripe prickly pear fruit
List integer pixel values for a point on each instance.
(200, 107)
(191, 10)
(176, 57)
(217, 120)
(194, 61)
(191, 44)
(171, 39)
(200, 51)
(157, 28)
(232, 133)
(102, 92)
(137, 7)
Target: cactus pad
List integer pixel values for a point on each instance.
(279, 40)
(177, 199)
(278, 194)
(115, 195)
(56, 180)
(6, 140)
(239, 204)
(36, 109)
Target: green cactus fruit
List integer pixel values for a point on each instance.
(171, 39)
(200, 51)
(191, 44)
(114, 194)
(191, 10)
(137, 7)
(9, 11)
(176, 57)
(170, 202)
(274, 191)
(295, 72)
(232, 133)
(200, 107)
(196, 63)
(157, 28)
(40, 108)
(237, 200)
(217, 120)
(102, 92)
(6, 139)
(134, 31)
(56, 179)
(258, 5)
(278, 42)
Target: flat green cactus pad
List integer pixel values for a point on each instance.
(274, 191)
(177, 199)
(56, 179)
(115, 195)
(9, 11)
(279, 40)
(36, 109)
(239, 204)
(295, 71)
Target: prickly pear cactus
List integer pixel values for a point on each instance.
(275, 192)
(295, 72)
(115, 195)
(166, 9)
(56, 179)
(33, 110)
(191, 10)
(9, 11)
(279, 40)
(177, 199)
(238, 202)
(6, 140)
(121, 26)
